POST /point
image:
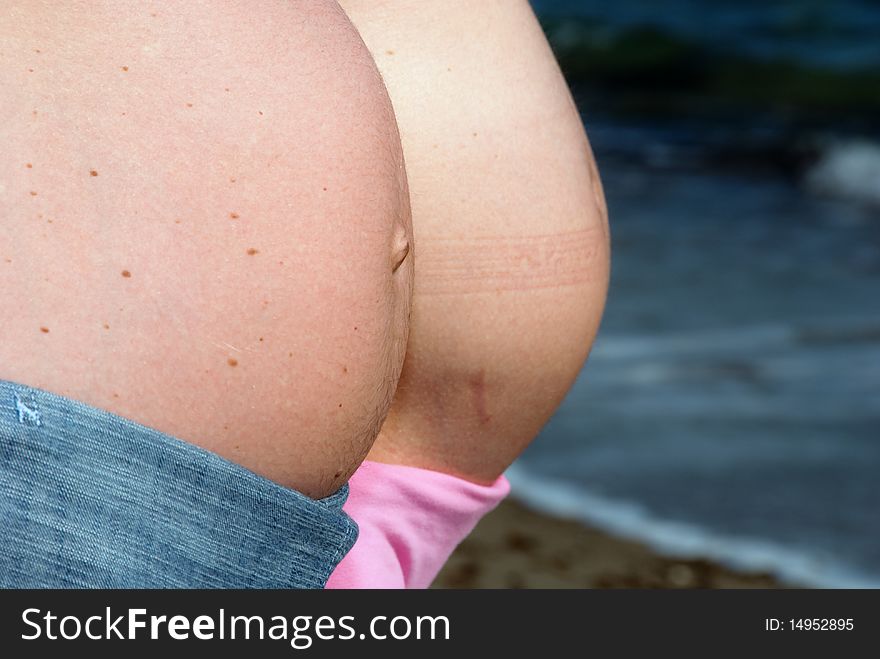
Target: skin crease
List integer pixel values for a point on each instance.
(205, 225)
(510, 225)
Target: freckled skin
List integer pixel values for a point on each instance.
(186, 299)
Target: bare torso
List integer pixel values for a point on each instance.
(511, 234)
(190, 239)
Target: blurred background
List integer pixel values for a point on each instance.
(726, 431)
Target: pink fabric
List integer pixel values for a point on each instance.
(410, 520)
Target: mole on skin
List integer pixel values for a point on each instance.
(44, 330)
(93, 172)
(233, 216)
(126, 273)
(232, 362)
(251, 251)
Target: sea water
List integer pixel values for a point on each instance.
(731, 405)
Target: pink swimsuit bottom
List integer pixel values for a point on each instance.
(410, 521)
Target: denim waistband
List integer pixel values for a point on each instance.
(89, 499)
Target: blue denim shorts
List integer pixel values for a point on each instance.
(89, 499)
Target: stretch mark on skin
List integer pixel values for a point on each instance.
(28, 413)
(507, 263)
(478, 391)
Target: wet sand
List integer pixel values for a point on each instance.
(514, 547)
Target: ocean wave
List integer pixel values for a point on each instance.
(632, 521)
(848, 169)
(747, 338)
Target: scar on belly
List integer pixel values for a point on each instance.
(44, 330)
(126, 273)
(93, 172)
(251, 251)
(478, 393)
(507, 263)
(232, 361)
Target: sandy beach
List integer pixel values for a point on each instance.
(514, 547)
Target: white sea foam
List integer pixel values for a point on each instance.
(848, 169)
(629, 520)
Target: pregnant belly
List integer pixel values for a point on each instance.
(190, 240)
